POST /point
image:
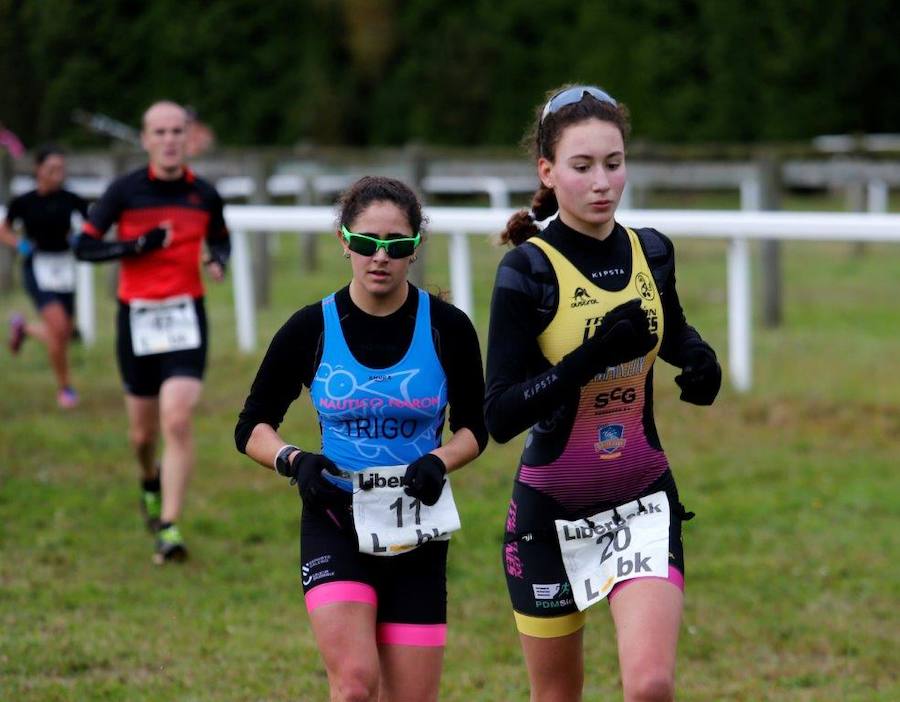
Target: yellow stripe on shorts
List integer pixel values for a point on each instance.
(549, 627)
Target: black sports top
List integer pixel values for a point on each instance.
(46, 218)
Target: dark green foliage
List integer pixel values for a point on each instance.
(371, 72)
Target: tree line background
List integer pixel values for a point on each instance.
(467, 73)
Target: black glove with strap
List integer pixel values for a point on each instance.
(305, 469)
(151, 240)
(424, 478)
(624, 334)
(700, 377)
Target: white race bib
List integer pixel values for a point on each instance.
(54, 272)
(161, 326)
(599, 556)
(390, 522)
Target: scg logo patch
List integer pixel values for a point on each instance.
(624, 395)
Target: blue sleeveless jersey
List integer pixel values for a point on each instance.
(373, 417)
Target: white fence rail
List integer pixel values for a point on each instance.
(739, 228)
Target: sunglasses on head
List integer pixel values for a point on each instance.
(366, 245)
(570, 96)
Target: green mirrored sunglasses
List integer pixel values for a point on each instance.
(366, 245)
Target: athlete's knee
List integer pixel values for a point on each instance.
(58, 337)
(142, 437)
(649, 684)
(176, 425)
(355, 684)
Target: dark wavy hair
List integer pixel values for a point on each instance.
(45, 151)
(541, 141)
(369, 189)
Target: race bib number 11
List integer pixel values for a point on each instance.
(390, 522)
(630, 541)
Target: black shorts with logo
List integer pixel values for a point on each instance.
(411, 588)
(143, 375)
(535, 575)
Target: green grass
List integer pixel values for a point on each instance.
(793, 579)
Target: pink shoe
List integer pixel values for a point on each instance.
(67, 398)
(16, 332)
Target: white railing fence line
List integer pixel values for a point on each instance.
(739, 228)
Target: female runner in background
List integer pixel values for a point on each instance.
(47, 264)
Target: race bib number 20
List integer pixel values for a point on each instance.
(630, 541)
(390, 522)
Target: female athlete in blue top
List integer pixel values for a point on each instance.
(382, 360)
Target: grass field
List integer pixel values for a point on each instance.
(793, 577)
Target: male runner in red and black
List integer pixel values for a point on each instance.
(164, 214)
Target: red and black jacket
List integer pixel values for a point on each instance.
(139, 202)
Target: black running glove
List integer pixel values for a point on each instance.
(424, 478)
(305, 469)
(151, 240)
(701, 376)
(624, 334)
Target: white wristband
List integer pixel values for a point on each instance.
(281, 464)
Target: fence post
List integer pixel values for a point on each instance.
(417, 169)
(769, 179)
(740, 327)
(498, 192)
(242, 285)
(309, 249)
(460, 273)
(877, 196)
(856, 199)
(85, 306)
(262, 259)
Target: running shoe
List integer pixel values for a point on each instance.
(16, 332)
(151, 508)
(67, 398)
(169, 546)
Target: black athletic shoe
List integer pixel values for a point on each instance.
(169, 546)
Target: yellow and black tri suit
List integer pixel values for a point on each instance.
(589, 448)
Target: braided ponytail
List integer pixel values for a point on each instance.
(523, 224)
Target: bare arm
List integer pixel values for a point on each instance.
(7, 235)
(459, 450)
(263, 445)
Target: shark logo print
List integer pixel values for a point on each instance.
(582, 297)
